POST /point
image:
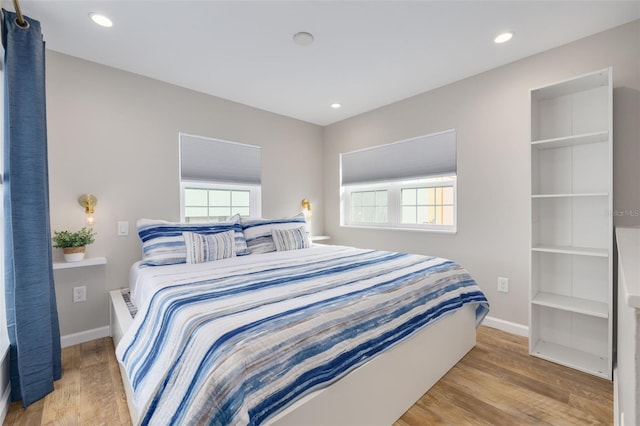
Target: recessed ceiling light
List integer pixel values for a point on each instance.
(503, 37)
(101, 20)
(303, 38)
(335, 105)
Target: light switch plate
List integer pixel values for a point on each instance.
(123, 228)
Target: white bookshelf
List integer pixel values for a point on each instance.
(571, 312)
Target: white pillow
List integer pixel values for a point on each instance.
(207, 248)
(290, 239)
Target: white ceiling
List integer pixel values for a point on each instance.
(366, 54)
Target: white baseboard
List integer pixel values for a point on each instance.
(4, 402)
(508, 326)
(6, 394)
(84, 336)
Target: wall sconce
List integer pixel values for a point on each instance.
(306, 208)
(88, 201)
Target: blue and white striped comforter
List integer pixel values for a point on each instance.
(235, 341)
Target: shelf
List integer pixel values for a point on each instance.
(582, 251)
(572, 304)
(580, 360)
(90, 261)
(573, 85)
(319, 237)
(562, 142)
(591, 194)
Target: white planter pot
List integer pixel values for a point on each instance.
(73, 254)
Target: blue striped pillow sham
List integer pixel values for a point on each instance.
(163, 243)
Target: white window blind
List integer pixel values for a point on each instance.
(424, 156)
(214, 160)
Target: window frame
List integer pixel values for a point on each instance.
(255, 194)
(394, 203)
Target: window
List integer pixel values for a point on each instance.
(215, 202)
(218, 179)
(420, 204)
(428, 205)
(369, 206)
(412, 185)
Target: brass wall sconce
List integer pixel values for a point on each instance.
(89, 201)
(306, 209)
(306, 204)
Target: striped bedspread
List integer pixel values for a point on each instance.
(235, 341)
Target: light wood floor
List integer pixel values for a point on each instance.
(497, 383)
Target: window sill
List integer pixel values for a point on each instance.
(391, 228)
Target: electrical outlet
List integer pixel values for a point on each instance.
(79, 294)
(503, 285)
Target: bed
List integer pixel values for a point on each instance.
(320, 335)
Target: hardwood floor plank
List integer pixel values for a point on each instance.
(119, 396)
(530, 407)
(419, 415)
(572, 381)
(516, 378)
(601, 411)
(32, 415)
(536, 391)
(497, 383)
(464, 407)
(98, 405)
(60, 406)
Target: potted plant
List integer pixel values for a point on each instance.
(73, 243)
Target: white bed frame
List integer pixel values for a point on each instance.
(378, 392)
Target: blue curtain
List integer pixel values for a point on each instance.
(32, 316)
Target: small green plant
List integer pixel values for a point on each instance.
(81, 238)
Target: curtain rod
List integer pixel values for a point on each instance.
(20, 19)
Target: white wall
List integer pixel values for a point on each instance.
(490, 113)
(115, 134)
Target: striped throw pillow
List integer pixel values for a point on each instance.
(257, 232)
(163, 243)
(207, 248)
(290, 239)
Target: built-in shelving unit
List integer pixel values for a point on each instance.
(571, 313)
